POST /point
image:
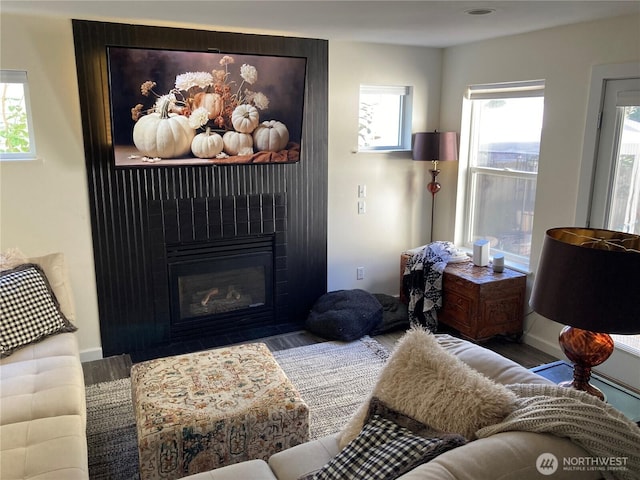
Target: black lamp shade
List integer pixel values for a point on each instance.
(589, 279)
(435, 146)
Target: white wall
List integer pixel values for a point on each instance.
(44, 203)
(563, 57)
(395, 219)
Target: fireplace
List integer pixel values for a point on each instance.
(221, 286)
(139, 214)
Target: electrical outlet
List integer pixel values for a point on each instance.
(359, 273)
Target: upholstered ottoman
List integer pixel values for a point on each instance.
(204, 410)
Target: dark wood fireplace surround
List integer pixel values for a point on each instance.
(140, 215)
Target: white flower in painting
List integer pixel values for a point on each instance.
(226, 60)
(198, 117)
(161, 103)
(260, 100)
(249, 73)
(185, 81)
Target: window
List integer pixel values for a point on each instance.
(384, 118)
(504, 127)
(616, 195)
(16, 131)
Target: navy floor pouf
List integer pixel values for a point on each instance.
(344, 315)
(395, 314)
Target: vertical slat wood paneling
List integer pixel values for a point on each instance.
(124, 215)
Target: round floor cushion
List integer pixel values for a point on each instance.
(344, 315)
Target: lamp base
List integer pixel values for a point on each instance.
(585, 349)
(433, 186)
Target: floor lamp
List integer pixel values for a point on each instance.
(435, 147)
(589, 280)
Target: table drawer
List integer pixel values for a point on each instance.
(457, 310)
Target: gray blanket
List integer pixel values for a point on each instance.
(596, 426)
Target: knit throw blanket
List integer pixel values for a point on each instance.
(589, 422)
(422, 281)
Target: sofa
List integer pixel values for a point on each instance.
(42, 393)
(467, 384)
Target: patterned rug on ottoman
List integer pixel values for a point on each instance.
(201, 411)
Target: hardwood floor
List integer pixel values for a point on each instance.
(117, 367)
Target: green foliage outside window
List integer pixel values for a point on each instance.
(14, 129)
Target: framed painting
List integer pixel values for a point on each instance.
(171, 107)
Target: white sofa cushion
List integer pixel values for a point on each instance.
(63, 344)
(489, 363)
(44, 449)
(504, 456)
(41, 387)
(249, 470)
(293, 463)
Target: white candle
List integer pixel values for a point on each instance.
(498, 262)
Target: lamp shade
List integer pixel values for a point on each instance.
(589, 279)
(435, 146)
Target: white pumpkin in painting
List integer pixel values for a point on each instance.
(271, 135)
(245, 118)
(236, 143)
(163, 134)
(207, 144)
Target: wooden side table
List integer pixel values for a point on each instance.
(480, 303)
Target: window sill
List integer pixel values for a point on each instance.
(392, 150)
(517, 266)
(14, 159)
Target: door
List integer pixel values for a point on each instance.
(616, 190)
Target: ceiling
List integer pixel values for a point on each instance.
(423, 23)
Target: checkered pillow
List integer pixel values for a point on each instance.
(386, 450)
(29, 311)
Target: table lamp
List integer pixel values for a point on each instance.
(436, 147)
(589, 280)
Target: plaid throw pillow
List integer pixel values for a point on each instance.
(386, 450)
(29, 311)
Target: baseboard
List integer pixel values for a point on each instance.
(91, 355)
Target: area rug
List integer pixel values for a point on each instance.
(111, 431)
(333, 378)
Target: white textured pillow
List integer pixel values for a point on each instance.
(11, 258)
(427, 383)
(57, 272)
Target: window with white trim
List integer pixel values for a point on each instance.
(384, 118)
(504, 124)
(16, 131)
